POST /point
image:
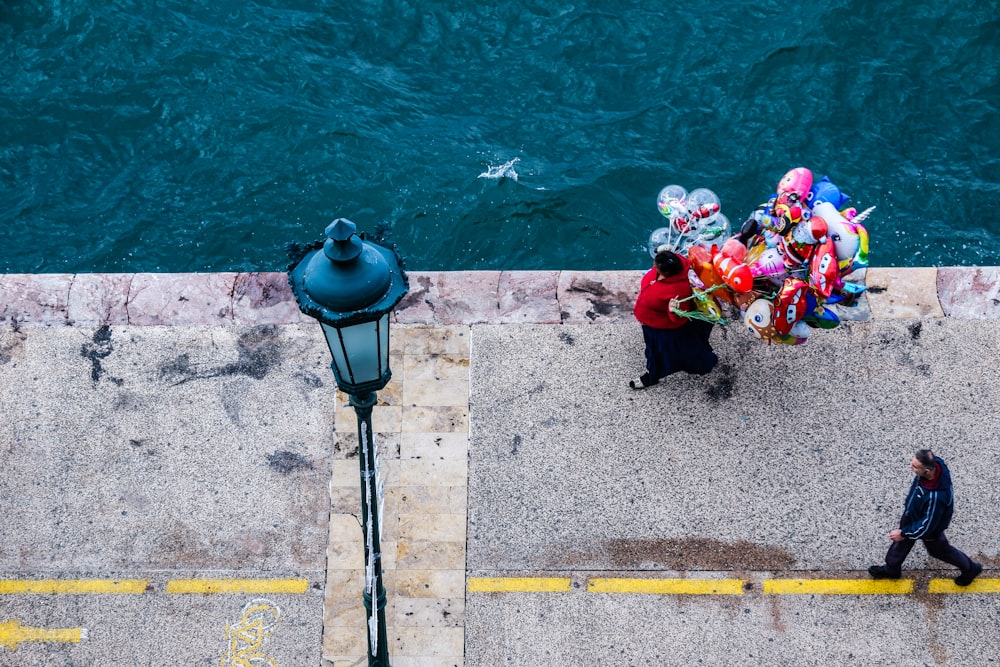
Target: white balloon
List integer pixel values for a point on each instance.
(658, 238)
(672, 202)
(703, 197)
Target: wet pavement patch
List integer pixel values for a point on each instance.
(98, 349)
(724, 385)
(285, 461)
(258, 352)
(695, 553)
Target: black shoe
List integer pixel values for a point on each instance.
(967, 578)
(642, 382)
(882, 572)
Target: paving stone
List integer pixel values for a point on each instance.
(265, 298)
(428, 642)
(422, 431)
(35, 298)
(528, 297)
(605, 296)
(971, 292)
(434, 445)
(898, 293)
(181, 299)
(99, 298)
(459, 297)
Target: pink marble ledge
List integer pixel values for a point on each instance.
(435, 298)
(970, 292)
(35, 298)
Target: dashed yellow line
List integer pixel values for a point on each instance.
(667, 586)
(12, 633)
(209, 586)
(977, 586)
(140, 586)
(838, 587)
(73, 586)
(519, 584)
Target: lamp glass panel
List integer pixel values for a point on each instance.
(356, 350)
(337, 351)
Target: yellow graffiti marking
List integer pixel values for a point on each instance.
(256, 586)
(248, 636)
(73, 586)
(12, 634)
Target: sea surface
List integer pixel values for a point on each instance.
(171, 135)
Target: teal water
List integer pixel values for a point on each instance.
(534, 134)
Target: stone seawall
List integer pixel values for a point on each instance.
(439, 298)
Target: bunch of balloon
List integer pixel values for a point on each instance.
(694, 221)
(785, 268)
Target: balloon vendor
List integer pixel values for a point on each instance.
(673, 341)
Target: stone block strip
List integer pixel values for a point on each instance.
(421, 426)
(441, 298)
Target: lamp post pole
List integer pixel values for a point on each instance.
(350, 285)
(371, 518)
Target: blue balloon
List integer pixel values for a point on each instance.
(819, 318)
(825, 190)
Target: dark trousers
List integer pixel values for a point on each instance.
(683, 349)
(936, 545)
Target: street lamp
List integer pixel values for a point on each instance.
(351, 285)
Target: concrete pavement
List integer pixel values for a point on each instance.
(170, 429)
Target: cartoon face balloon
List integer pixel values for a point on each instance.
(759, 319)
(790, 304)
(798, 180)
(825, 191)
(823, 269)
(771, 262)
(844, 234)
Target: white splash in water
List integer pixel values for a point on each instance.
(505, 170)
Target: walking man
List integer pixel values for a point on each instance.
(926, 515)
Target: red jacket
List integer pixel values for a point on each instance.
(651, 305)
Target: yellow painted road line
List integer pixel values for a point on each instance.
(838, 587)
(977, 586)
(206, 586)
(73, 586)
(519, 585)
(667, 586)
(13, 633)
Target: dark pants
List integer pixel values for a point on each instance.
(685, 348)
(936, 545)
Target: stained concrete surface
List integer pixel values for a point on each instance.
(783, 462)
(799, 454)
(162, 452)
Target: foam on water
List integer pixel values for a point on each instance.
(505, 170)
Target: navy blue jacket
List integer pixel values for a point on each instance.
(928, 512)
